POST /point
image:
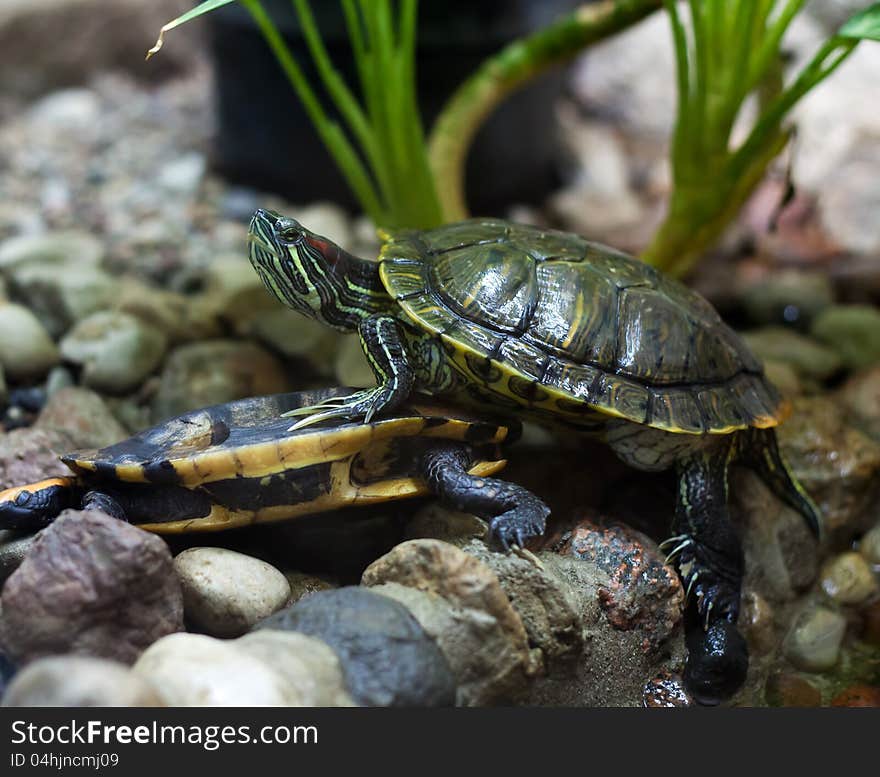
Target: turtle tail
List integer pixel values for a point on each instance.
(760, 452)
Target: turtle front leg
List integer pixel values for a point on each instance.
(514, 513)
(384, 348)
(710, 560)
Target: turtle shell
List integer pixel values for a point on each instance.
(236, 464)
(565, 325)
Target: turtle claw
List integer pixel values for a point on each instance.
(362, 405)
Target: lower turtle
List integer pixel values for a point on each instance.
(236, 464)
(548, 325)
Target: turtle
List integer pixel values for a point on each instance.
(547, 325)
(236, 464)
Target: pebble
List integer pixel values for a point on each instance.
(83, 416)
(116, 351)
(813, 643)
(13, 548)
(859, 695)
(306, 663)
(78, 681)
(183, 174)
(473, 622)
(784, 377)
(837, 463)
(665, 692)
(26, 349)
(804, 355)
(387, 658)
(847, 579)
(788, 297)
(213, 372)
(30, 455)
(860, 396)
(73, 249)
(294, 336)
(787, 689)
(194, 670)
(869, 546)
(66, 108)
(757, 623)
(225, 593)
(91, 585)
(852, 331)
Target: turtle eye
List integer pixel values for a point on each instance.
(289, 230)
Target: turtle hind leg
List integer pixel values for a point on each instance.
(759, 451)
(105, 503)
(710, 560)
(514, 513)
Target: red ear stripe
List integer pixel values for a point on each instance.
(336, 258)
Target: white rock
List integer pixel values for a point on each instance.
(193, 670)
(26, 350)
(225, 593)
(848, 579)
(869, 546)
(813, 644)
(78, 681)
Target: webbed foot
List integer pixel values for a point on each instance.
(362, 405)
(516, 527)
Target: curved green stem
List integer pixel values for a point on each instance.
(500, 75)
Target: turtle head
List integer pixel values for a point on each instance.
(308, 272)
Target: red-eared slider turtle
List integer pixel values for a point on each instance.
(237, 464)
(551, 325)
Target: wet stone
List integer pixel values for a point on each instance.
(194, 670)
(788, 297)
(808, 358)
(869, 546)
(116, 351)
(848, 579)
(860, 395)
(859, 695)
(26, 350)
(756, 621)
(54, 248)
(83, 416)
(787, 689)
(666, 691)
(813, 643)
(78, 681)
(225, 593)
(91, 585)
(31, 455)
(387, 659)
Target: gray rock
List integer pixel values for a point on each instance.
(116, 351)
(183, 174)
(813, 643)
(83, 416)
(213, 372)
(292, 335)
(788, 297)
(26, 350)
(387, 659)
(30, 455)
(807, 357)
(59, 378)
(194, 670)
(91, 585)
(466, 612)
(78, 681)
(835, 462)
(306, 663)
(848, 579)
(225, 593)
(67, 108)
(165, 311)
(852, 331)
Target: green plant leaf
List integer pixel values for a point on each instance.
(203, 8)
(865, 25)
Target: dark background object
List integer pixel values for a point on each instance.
(266, 141)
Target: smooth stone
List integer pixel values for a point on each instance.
(352, 367)
(52, 248)
(848, 579)
(159, 309)
(225, 593)
(788, 297)
(477, 627)
(26, 350)
(83, 416)
(58, 378)
(836, 462)
(116, 351)
(306, 663)
(860, 396)
(213, 372)
(183, 174)
(787, 689)
(853, 331)
(808, 358)
(91, 585)
(859, 695)
(387, 658)
(78, 681)
(784, 377)
(62, 294)
(76, 106)
(13, 548)
(869, 546)
(291, 334)
(813, 643)
(757, 622)
(194, 670)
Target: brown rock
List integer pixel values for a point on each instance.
(83, 416)
(665, 691)
(29, 455)
(787, 689)
(860, 395)
(91, 585)
(836, 463)
(858, 695)
(467, 584)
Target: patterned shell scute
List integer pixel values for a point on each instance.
(558, 321)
